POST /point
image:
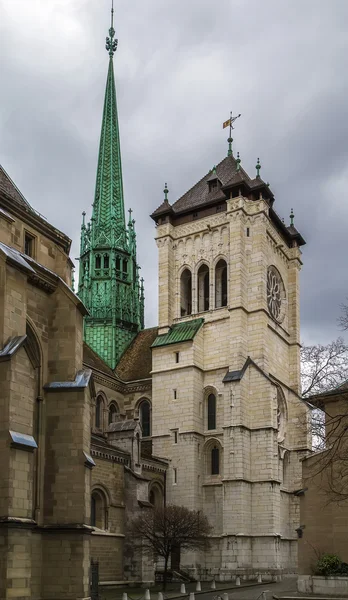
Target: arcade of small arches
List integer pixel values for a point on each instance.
(107, 413)
(195, 297)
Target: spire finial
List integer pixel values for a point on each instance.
(258, 167)
(238, 161)
(111, 44)
(165, 191)
(130, 217)
(292, 216)
(229, 123)
(83, 219)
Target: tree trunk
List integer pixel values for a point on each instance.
(166, 558)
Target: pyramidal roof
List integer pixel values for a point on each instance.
(228, 172)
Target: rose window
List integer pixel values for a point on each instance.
(275, 294)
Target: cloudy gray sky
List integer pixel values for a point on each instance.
(181, 66)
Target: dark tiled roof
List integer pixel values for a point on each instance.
(180, 332)
(227, 174)
(136, 361)
(10, 189)
(93, 360)
(164, 208)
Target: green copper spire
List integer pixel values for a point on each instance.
(109, 273)
(230, 152)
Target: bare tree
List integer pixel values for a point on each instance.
(324, 373)
(163, 529)
(323, 367)
(343, 319)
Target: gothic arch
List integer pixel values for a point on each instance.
(33, 345)
(156, 494)
(213, 458)
(203, 286)
(282, 413)
(220, 281)
(144, 411)
(210, 408)
(185, 291)
(113, 412)
(100, 406)
(100, 502)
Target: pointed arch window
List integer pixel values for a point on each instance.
(113, 413)
(118, 264)
(98, 412)
(211, 405)
(185, 293)
(203, 288)
(215, 461)
(221, 284)
(98, 261)
(145, 417)
(106, 261)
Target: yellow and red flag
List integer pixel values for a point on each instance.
(226, 124)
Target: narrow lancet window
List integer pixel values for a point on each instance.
(203, 288)
(211, 411)
(215, 461)
(185, 293)
(221, 284)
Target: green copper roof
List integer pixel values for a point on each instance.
(180, 332)
(109, 282)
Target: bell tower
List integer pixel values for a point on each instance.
(226, 377)
(109, 282)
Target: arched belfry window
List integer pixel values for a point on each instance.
(185, 293)
(211, 405)
(99, 412)
(106, 261)
(113, 413)
(98, 261)
(203, 288)
(221, 284)
(215, 461)
(145, 417)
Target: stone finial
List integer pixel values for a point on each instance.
(292, 216)
(238, 161)
(165, 191)
(258, 167)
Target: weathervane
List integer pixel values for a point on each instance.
(111, 44)
(229, 123)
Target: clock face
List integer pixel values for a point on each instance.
(275, 294)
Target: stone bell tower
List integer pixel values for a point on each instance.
(226, 378)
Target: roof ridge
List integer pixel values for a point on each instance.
(16, 188)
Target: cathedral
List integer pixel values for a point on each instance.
(102, 418)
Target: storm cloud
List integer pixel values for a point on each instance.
(180, 68)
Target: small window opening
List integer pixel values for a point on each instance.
(29, 245)
(174, 394)
(118, 263)
(195, 215)
(106, 261)
(211, 411)
(215, 461)
(177, 357)
(98, 261)
(203, 288)
(175, 476)
(98, 412)
(185, 293)
(248, 232)
(125, 266)
(221, 284)
(219, 208)
(112, 414)
(176, 436)
(145, 418)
